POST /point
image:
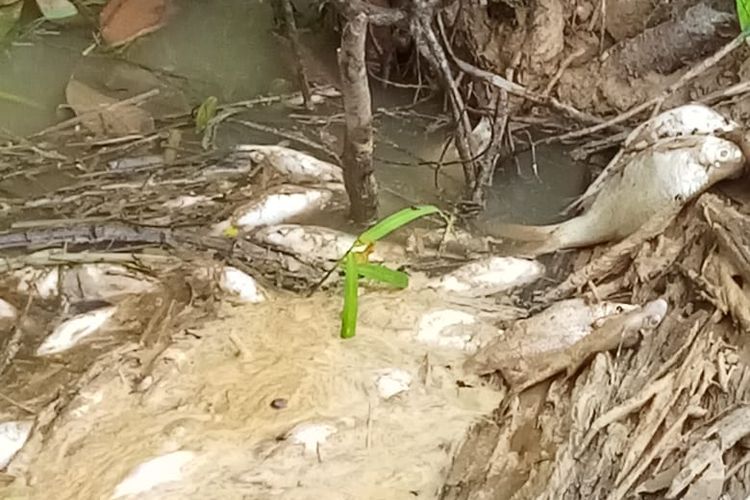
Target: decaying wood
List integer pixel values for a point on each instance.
(359, 175)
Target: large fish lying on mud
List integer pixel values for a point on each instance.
(665, 176)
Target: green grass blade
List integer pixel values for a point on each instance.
(349, 313)
(386, 275)
(395, 221)
(743, 14)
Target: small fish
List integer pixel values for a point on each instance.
(488, 276)
(668, 175)
(148, 475)
(295, 165)
(317, 243)
(241, 285)
(71, 332)
(13, 435)
(282, 203)
(563, 338)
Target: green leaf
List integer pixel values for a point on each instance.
(395, 221)
(384, 274)
(743, 14)
(349, 314)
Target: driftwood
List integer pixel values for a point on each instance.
(664, 418)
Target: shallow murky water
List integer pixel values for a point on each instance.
(227, 48)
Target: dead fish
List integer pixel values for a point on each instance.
(297, 166)
(563, 338)
(13, 435)
(7, 310)
(44, 283)
(316, 243)
(71, 332)
(666, 176)
(562, 324)
(241, 285)
(148, 475)
(103, 281)
(688, 120)
(284, 202)
(488, 276)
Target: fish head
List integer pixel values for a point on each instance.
(654, 312)
(723, 159)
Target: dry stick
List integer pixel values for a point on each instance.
(131, 101)
(291, 32)
(684, 79)
(735, 90)
(433, 51)
(563, 66)
(17, 404)
(516, 89)
(287, 135)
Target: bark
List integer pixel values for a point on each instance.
(359, 176)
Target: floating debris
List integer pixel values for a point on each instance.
(392, 381)
(297, 166)
(241, 285)
(72, 331)
(13, 435)
(148, 475)
(488, 276)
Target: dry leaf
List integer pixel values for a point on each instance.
(104, 115)
(125, 20)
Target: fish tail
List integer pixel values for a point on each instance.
(523, 232)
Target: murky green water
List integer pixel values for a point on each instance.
(226, 48)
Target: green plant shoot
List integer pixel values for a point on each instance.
(743, 14)
(355, 263)
(351, 288)
(395, 221)
(383, 274)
